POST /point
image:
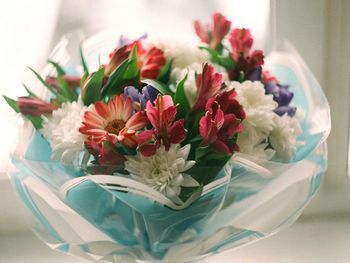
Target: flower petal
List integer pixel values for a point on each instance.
(177, 132)
(152, 114)
(184, 151)
(128, 108)
(102, 109)
(148, 149)
(189, 181)
(188, 165)
(137, 121)
(145, 136)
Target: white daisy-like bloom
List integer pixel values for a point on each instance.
(190, 86)
(182, 53)
(259, 121)
(164, 171)
(283, 137)
(62, 131)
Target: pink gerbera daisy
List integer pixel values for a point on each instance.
(114, 122)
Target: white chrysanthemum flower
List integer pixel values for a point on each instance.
(164, 171)
(182, 53)
(259, 121)
(177, 74)
(284, 135)
(251, 94)
(62, 131)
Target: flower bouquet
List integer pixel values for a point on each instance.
(160, 150)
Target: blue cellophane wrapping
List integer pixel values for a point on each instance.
(110, 226)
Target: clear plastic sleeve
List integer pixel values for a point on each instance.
(250, 202)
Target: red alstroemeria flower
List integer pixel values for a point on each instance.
(202, 31)
(247, 61)
(72, 81)
(221, 26)
(221, 122)
(104, 153)
(114, 122)
(241, 42)
(34, 106)
(150, 61)
(208, 85)
(213, 36)
(166, 130)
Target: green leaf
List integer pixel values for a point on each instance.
(65, 90)
(83, 61)
(52, 90)
(131, 74)
(30, 93)
(180, 99)
(124, 150)
(223, 157)
(214, 54)
(192, 124)
(196, 138)
(223, 60)
(161, 87)
(115, 78)
(12, 103)
(201, 152)
(43, 81)
(83, 78)
(93, 87)
(132, 70)
(164, 74)
(37, 121)
(190, 192)
(227, 62)
(59, 69)
(241, 76)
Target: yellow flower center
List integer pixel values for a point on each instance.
(115, 126)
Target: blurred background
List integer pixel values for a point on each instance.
(320, 31)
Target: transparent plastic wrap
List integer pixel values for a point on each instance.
(103, 222)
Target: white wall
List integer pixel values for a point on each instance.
(304, 23)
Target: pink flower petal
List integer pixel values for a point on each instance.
(137, 121)
(167, 117)
(202, 31)
(148, 149)
(102, 109)
(207, 129)
(164, 102)
(128, 108)
(152, 114)
(145, 137)
(221, 26)
(177, 132)
(222, 147)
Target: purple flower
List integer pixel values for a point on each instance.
(281, 110)
(271, 87)
(282, 95)
(256, 74)
(123, 40)
(148, 93)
